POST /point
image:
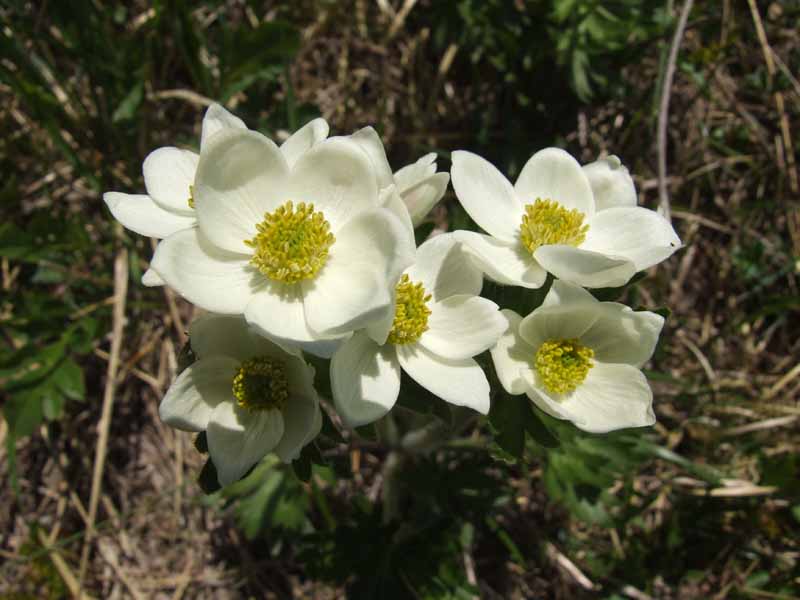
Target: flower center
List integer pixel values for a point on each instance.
(291, 244)
(190, 201)
(562, 365)
(411, 312)
(547, 222)
(261, 384)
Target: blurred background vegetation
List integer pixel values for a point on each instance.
(705, 505)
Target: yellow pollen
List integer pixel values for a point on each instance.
(291, 244)
(190, 201)
(547, 222)
(562, 365)
(261, 384)
(411, 312)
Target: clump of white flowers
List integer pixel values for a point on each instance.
(308, 247)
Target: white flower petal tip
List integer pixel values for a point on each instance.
(553, 174)
(600, 388)
(412, 174)
(511, 355)
(365, 380)
(459, 382)
(213, 279)
(486, 195)
(140, 214)
(590, 269)
(445, 269)
(215, 120)
(423, 196)
(195, 394)
(370, 143)
(168, 174)
(462, 326)
(152, 279)
(637, 234)
(611, 183)
(238, 439)
(305, 138)
(503, 262)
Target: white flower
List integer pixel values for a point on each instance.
(580, 359)
(169, 175)
(305, 251)
(249, 396)
(438, 325)
(419, 186)
(581, 225)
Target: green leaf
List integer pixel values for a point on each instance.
(23, 413)
(512, 417)
(130, 104)
(507, 418)
(68, 379)
(269, 498)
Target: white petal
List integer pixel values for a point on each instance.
(141, 215)
(611, 183)
(216, 119)
(168, 173)
(462, 326)
(241, 176)
(563, 292)
(553, 174)
(152, 279)
(229, 335)
(620, 335)
(195, 393)
(367, 258)
(486, 195)
(336, 176)
(557, 322)
(459, 382)
(422, 197)
(238, 439)
(302, 140)
(612, 397)
(642, 236)
(365, 380)
(589, 269)
(370, 143)
(315, 428)
(277, 312)
(390, 199)
(445, 269)
(299, 421)
(415, 173)
(214, 279)
(512, 355)
(506, 263)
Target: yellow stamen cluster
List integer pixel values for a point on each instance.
(261, 384)
(190, 201)
(547, 222)
(411, 312)
(291, 244)
(562, 365)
